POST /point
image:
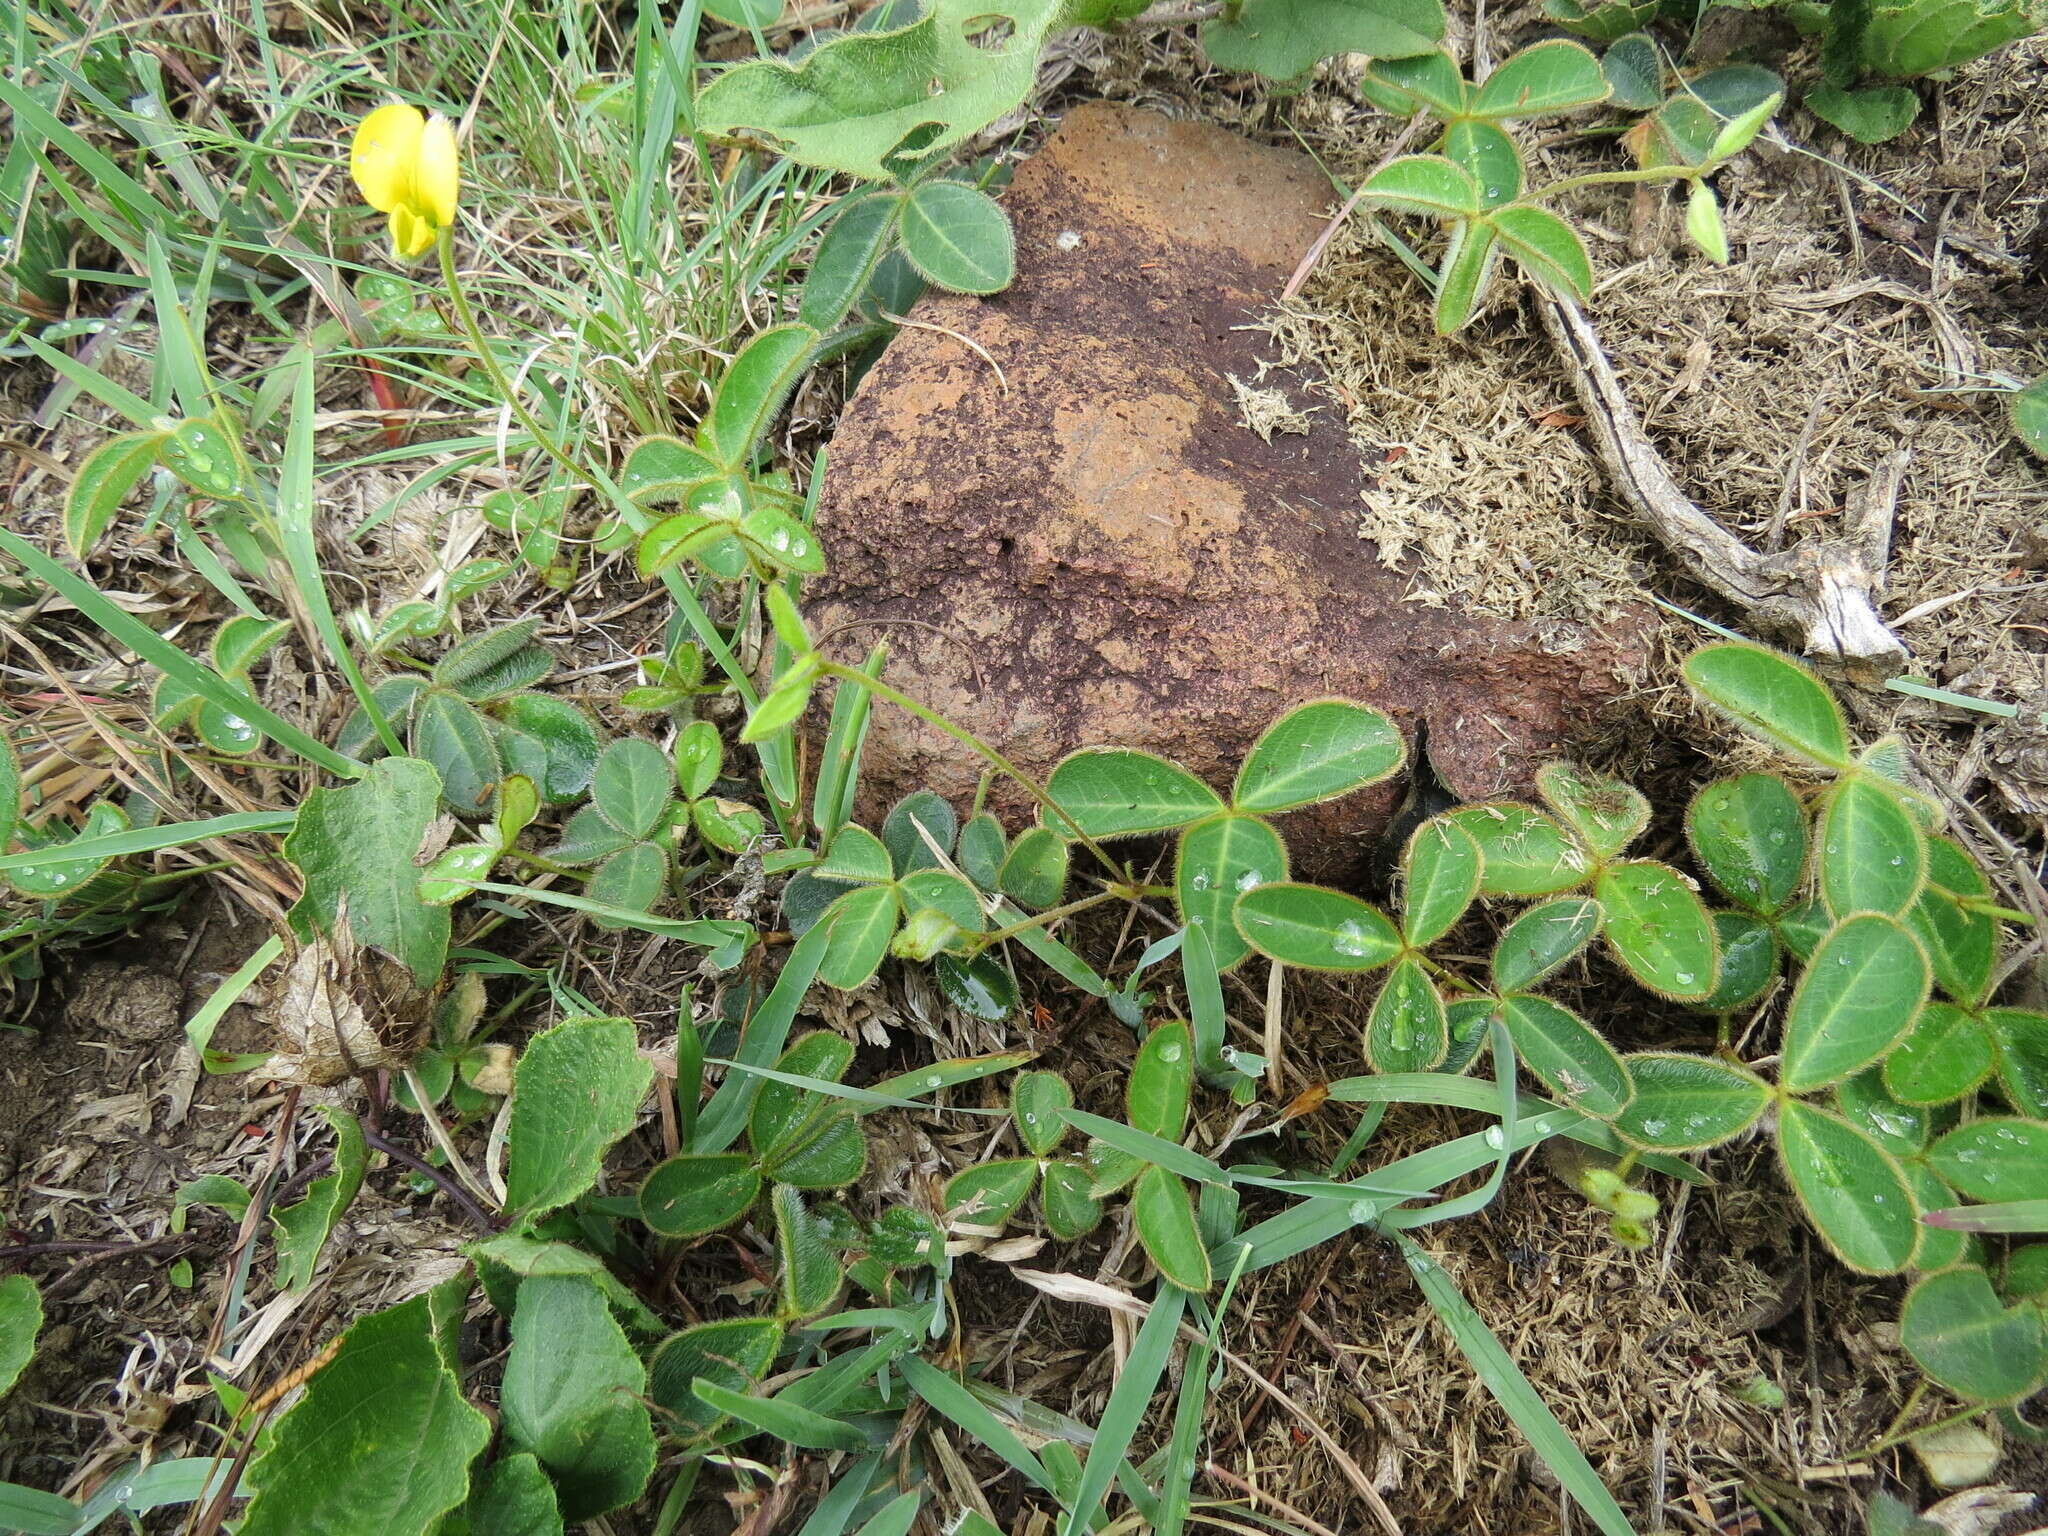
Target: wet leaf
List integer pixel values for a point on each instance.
(1568, 1056)
(1164, 1217)
(1441, 872)
(1658, 928)
(1217, 861)
(1315, 928)
(1858, 997)
(577, 1089)
(1523, 851)
(1873, 856)
(1115, 792)
(1851, 1187)
(1772, 697)
(1749, 834)
(1686, 1103)
(1945, 1054)
(1542, 939)
(1406, 1031)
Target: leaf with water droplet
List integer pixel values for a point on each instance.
(1407, 1030)
(1217, 861)
(1162, 1078)
(1851, 1188)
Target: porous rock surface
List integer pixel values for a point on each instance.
(1068, 537)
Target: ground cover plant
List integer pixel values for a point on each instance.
(411, 840)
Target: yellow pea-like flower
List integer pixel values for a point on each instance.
(407, 167)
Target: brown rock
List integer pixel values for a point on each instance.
(1092, 549)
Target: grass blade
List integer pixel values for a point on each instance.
(948, 1397)
(1125, 1410)
(149, 839)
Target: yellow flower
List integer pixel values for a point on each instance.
(408, 168)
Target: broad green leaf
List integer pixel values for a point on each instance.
(1967, 1340)
(2022, 1037)
(1945, 1054)
(450, 734)
(1034, 873)
(587, 838)
(1491, 158)
(1739, 131)
(1315, 928)
(727, 825)
(1749, 962)
(1870, 115)
(1851, 1187)
(853, 245)
(1940, 1247)
(811, 1271)
(1873, 856)
(633, 785)
(1546, 248)
(2001, 1157)
(1441, 874)
(1606, 814)
(1283, 39)
(1859, 996)
(981, 850)
(1749, 835)
(1961, 943)
(857, 854)
(498, 661)
(574, 1396)
(1704, 225)
(1315, 753)
(1406, 1030)
(697, 1192)
(1115, 792)
(102, 483)
(1464, 273)
(865, 104)
(1217, 861)
(986, 1195)
(1432, 185)
(1633, 63)
(699, 759)
(1071, 1212)
(734, 1353)
(1687, 128)
(1803, 927)
(1685, 1103)
(1773, 697)
(1427, 81)
(203, 456)
(913, 826)
(1162, 1078)
(1165, 1220)
(504, 1261)
(755, 383)
(1543, 938)
(2030, 415)
(663, 470)
(981, 987)
(1523, 852)
(380, 1441)
(940, 890)
(781, 542)
(568, 736)
(303, 1227)
(575, 1091)
(1907, 41)
(780, 1109)
(1549, 77)
(630, 880)
(829, 1152)
(354, 849)
(514, 1497)
(786, 1422)
(21, 1319)
(958, 238)
(1865, 1101)
(1658, 928)
(1567, 1055)
(1038, 1101)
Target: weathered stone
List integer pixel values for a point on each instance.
(1068, 536)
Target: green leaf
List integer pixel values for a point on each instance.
(1465, 272)
(942, 891)
(1749, 961)
(573, 1395)
(1556, 76)
(587, 838)
(1523, 852)
(381, 1440)
(981, 987)
(1866, 1102)
(1441, 872)
(2002, 1157)
(918, 833)
(863, 921)
(2022, 1037)
(958, 238)
(861, 230)
(1547, 249)
(789, 1423)
(756, 382)
(354, 849)
(102, 483)
(1658, 928)
(1967, 1340)
(949, 1073)
(829, 1152)
(781, 1109)
(1737, 133)
(575, 1091)
(1038, 1101)
(1071, 1212)
(21, 1319)
(1685, 1103)
(630, 880)
(31, 1512)
(1034, 874)
(727, 825)
(499, 661)
(1315, 928)
(1606, 814)
(1852, 1188)
(1216, 861)
(1633, 64)
(451, 735)
(1162, 1078)
(1315, 753)
(1870, 115)
(662, 470)
(1490, 156)
(303, 1228)
(1112, 792)
(631, 786)
(1431, 185)
(1859, 996)
(1703, 223)
(697, 1192)
(1774, 698)
(811, 1272)
(864, 104)
(981, 850)
(1542, 939)
(1961, 942)
(733, 1353)
(1567, 1055)
(959, 1403)
(986, 1195)
(1427, 81)
(2030, 415)
(1906, 41)
(782, 542)
(10, 792)
(1165, 1220)
(514, 1497)
(1873, 857)
(1749, 834)
(1406, 1031)
(699, 759)
(1282, 39)
(1939, 1247)
(1945, 1055)
(504, 1261)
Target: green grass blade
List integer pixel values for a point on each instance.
(1480, 1198)
(948, 1397)
(1125, 1411)
(149, 839)
(1170, 1155)
(725, 1116)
